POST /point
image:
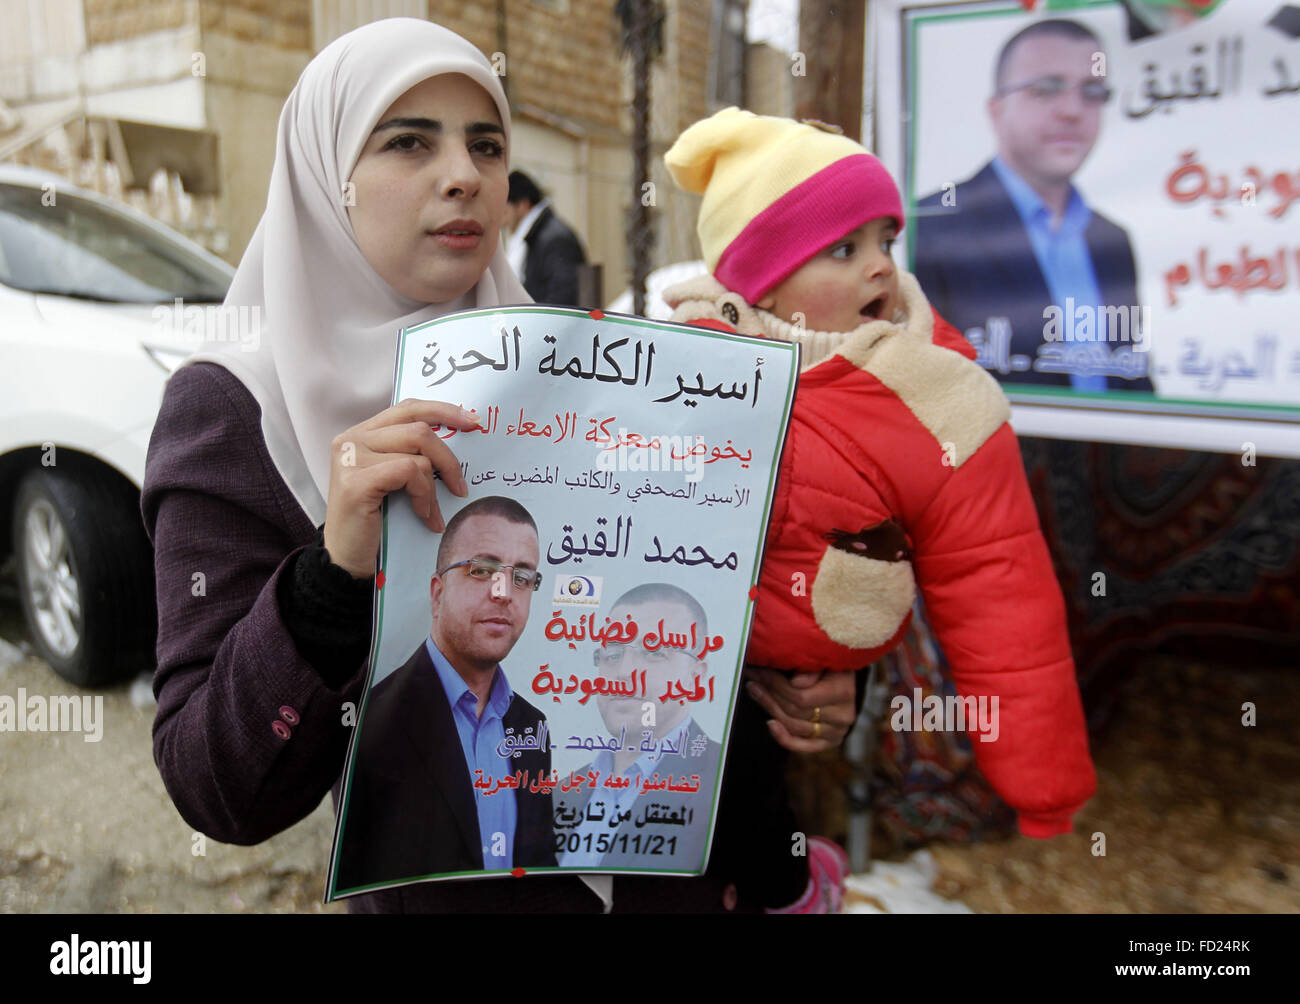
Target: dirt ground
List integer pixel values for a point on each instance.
(87, 827)
(1199, 813)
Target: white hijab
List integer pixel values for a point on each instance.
(329, 323)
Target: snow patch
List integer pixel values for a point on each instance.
(142, 691)
(899, 888)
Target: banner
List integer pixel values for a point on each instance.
(606, 560)
(1107, 206)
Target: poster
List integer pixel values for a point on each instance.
(631, 465)
(1107, 211)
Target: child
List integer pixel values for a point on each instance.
(901, 468)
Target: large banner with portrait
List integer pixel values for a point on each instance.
(553, 677)
(1104, 198)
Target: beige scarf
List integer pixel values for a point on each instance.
(704, 298)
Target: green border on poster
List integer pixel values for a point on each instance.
(1030, 393)
(332, 891)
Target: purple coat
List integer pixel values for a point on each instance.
(249, 737)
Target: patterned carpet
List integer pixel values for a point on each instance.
(1158, 551)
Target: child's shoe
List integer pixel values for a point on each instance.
(828, 867)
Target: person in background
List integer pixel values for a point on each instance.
(543, 250)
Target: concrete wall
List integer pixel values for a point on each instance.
(563, 56)
(147, 78)
(255, 50)
(769, 84)
(39, 48)
(244, 92)
(114, 20)
(277, 24)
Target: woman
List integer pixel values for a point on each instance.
(386, 198)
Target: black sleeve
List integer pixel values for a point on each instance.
(327, 613)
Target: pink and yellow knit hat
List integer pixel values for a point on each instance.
(775, 193)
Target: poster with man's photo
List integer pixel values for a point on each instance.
(553, 677)
(1105, 200)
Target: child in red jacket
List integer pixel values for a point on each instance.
(901, 470)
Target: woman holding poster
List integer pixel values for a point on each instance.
(272, 458)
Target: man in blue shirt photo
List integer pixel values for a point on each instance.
(435, 726)
(1013, 257)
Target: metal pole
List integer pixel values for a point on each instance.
(860, 752)
(641, 236)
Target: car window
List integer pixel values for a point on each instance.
(77, 248)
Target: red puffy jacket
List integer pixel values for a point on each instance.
(901, 470)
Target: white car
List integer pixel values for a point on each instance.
(87, 340)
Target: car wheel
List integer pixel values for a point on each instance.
(85, 576)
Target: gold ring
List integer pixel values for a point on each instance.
(817, 715)
(817, 729)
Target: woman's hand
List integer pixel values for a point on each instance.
(810, 712)
(394, 449)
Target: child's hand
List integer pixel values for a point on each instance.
(810, 712)
(396, 449)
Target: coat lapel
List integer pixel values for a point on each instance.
(535, 230)
(1005, 240)
(535, 817)
(437, 745)
(1111, 263)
